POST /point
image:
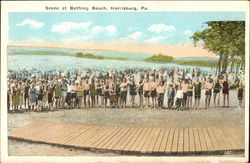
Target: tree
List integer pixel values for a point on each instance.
(227, 40)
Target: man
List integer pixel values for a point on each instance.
(153, 93)
(171, 94)
(124, 89)
(146, 88)
(160, 93)
(225, 90)
(208, 93)
(197, 93)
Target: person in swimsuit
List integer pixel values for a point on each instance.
(57, 94)
(40, 98)
(98, 92)
(86, 93)
(26, 95)
(92, 93)
(140, 92)
(33, 96)
(217, 87)
(184, 88)
(153, 93)
(132, 92)
(118, 93)
(50, 96)
(190, 95)
(79, 94)
(197, 93)
(146, 88)
(124, 92)
(171, 95)
(160, 94)
(208, 93)
(225, 91)
(240, 93)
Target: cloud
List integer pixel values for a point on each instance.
(135, 36)
(188, 32)
(108, 30)
(157, 28)
(155, 40)
(65, 27)
(31, 23)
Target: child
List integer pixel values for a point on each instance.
(240, 93)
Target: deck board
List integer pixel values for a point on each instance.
(144, 140)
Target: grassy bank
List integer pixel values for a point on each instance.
(160, 59)
(198, 63)
(92, 56)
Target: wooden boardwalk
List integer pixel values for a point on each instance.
(135, 140)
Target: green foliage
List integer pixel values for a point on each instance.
(224, 38)
(92, 56)
(160, 59)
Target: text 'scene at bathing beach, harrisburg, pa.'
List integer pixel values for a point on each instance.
(95, 8)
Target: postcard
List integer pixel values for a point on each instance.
(124, 81)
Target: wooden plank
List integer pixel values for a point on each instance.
(39, 130)
(66, 136)
(51, 132)
(192, 145)
(105, 137)
(222, 141)
(32, 129)
(126, 136)
(228, 137)
(148, 140)
(74, 134)
(180, 147)
(138, 139)
(143, 140)
(186, 140)
(202, 140)
(100, 145)
(129, 138)
(153, 141)
(77, 140)
(197, 141)
(116, 138)
(97, 136)
(167, 140)
(62, 133)
(174, 148)
(93, 137)
(136, 136)
(20, 130)
(235, 137)
(207, 139)
(159, 140)
(216, 146)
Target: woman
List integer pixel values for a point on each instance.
(33, 97)
(16, 97)
(240, 93)
(217, 87)
(79, 94)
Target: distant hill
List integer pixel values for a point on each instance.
(196, 58)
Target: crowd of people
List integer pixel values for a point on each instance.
(171, 88)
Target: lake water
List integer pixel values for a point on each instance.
(53, 62)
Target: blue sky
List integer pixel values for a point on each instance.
(133, 27)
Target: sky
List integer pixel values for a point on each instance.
(144, 28)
